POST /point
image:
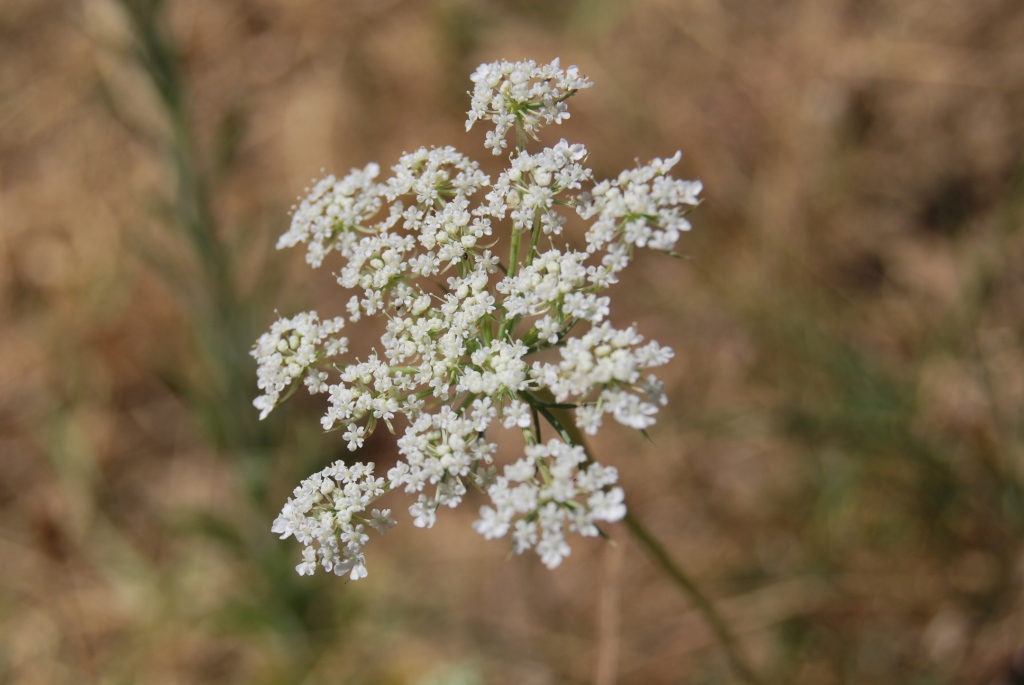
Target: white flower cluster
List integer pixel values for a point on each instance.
(644, 207)
(325, 509)
(329, 207)
(291, 350)
(456, 359)
(529, 190)
(521, 94)
(539, 496)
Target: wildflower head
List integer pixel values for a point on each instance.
(459, 359)
(522, 95)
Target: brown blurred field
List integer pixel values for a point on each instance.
(842, 462)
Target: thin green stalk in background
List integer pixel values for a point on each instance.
(219, 313)
(213, 300)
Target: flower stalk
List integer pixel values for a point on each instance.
(563, 421)
(692, 590)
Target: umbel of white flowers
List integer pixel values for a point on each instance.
(463, 328)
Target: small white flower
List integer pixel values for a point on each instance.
(490, 524)
(424, 513)
(354, 435)
(381, 521)
(517, 414)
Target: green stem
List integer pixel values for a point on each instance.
(513, 266)
(513, 253)
(565, 423)
(534, 239)
(700, 601)
(520, 135)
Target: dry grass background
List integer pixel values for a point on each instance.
(841, 463)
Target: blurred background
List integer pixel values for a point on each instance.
(840, 465)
